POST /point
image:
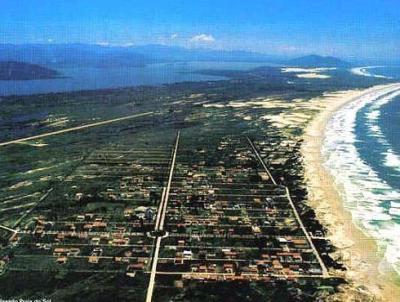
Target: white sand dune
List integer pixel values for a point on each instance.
(309, 73)
(313, 75)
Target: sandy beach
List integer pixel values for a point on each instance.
(369, 279)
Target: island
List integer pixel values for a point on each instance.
(20, 71)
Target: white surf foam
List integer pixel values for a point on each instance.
(364, 193)
(392, 159)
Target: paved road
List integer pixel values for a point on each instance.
(162, 209)
(77, 128)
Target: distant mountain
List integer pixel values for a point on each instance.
(318, 61)
(87, 55)
(72, 55)
(11, 70)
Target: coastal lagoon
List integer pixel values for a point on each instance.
(85, 78)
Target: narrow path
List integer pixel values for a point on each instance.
(261, 160)
(321, 263)
(16, 224)
(8, 229)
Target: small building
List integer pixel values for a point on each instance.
(93, 259)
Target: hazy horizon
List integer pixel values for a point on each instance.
(274, 57)
(357, 30)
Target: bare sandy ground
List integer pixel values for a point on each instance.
(313, 75)
(357, 251)
(309, 73)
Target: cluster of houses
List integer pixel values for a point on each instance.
(229, 219)
(225, 218)
(110, 226)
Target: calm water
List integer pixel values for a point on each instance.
(98, 78)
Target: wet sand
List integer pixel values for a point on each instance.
(369, 279)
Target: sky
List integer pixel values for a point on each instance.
(344, 28)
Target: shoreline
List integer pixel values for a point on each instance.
(358, 251)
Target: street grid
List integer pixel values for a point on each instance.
(209, 213)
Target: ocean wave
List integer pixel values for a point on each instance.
(364, 193)
(391, 158)
(363, 71)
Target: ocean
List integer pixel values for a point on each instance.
(362, 151)
(103, 78)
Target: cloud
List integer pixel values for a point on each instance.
(203, 38)
(174, 36)
(103, 43)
